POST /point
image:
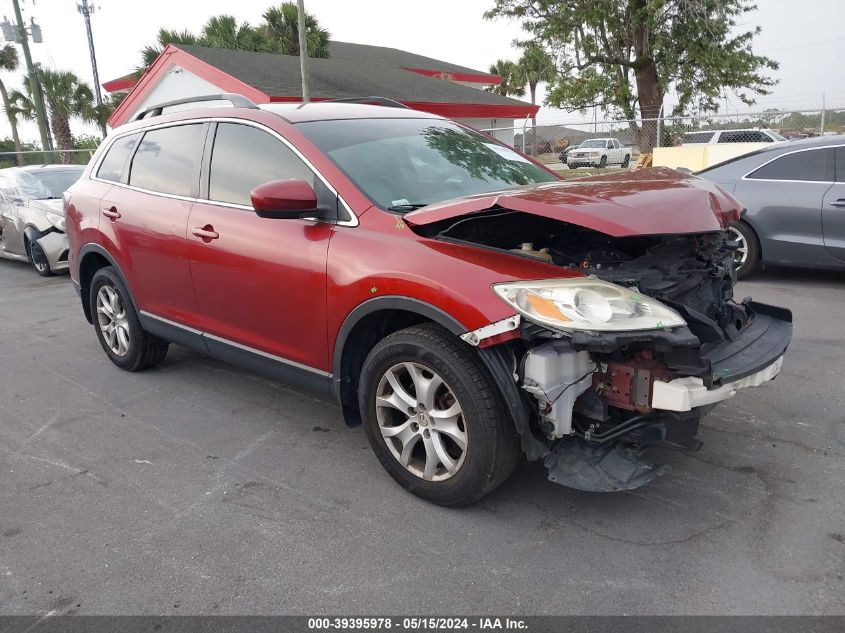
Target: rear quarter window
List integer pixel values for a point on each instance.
(815, 165)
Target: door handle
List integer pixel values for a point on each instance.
(207, 232)
(838, 203)
(111, 212)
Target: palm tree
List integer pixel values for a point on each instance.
(282, 29)
(513, 79)
(9, 61)
(223, 31)
(66, 97)
(165, 37)
(536, 66)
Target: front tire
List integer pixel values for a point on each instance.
(435, 418)
(748, 253)
(117, 325)
(38, 259)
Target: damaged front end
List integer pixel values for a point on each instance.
(630, 354)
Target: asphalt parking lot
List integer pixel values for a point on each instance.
(198, 488)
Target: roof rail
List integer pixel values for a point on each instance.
(237, 101)
(382, 101)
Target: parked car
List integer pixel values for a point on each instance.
(749, 135)
(599, 152)
(795, 194)
(32, 221)
(461, 301)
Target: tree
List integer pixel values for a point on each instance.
(66, 97)
(223, 31)
(9, 62)
(281, 26)
(513, 80)
(165, 37)
(624, 56)
(536, 66)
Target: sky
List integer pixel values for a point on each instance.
(806, 38)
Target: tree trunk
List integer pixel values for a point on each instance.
(64, 138)
(651, 98)
(533, 88)
(13, 123)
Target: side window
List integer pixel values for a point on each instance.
(167, 159)
(812, 165)
(610, 145)
(111, 167)
(245, 157)
(840, 164)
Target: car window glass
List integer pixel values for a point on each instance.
(812, 165)
(167, 159)
(697, 137)
(840, 164)
(111, 167)
(245, 157)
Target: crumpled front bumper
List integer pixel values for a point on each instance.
(755, 356)
(55, 247)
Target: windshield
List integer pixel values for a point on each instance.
(44, 185)
(593, 143)
(401, 164)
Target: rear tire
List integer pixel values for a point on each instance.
(117, 325)
(748, 255)
(627, 161)
(463, 418)
(38, 259)
(603, 162)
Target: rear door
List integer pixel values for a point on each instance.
(260, 282)
(146, 216)
(833, 209)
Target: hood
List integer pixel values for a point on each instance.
(651, 201)
(53, 206)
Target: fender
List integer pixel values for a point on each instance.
(387, 302)
(87, 249)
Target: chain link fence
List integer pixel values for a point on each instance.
(554, 143)
(37, 157)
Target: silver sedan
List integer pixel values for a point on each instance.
(32, 221)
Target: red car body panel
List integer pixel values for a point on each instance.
(647, 202)
(285, 287)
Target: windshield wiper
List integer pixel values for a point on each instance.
(406, 207)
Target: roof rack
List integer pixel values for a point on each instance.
(237, 101)
(382, 101)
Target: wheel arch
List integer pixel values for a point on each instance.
(93, 257)
(365, 326)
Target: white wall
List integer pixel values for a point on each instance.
(505, 135)
(178, 83)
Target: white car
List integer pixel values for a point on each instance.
(749, 135)
(599, 152)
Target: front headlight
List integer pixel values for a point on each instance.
(57, 220)
(586, 303)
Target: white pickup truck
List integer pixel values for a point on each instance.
(599, 152)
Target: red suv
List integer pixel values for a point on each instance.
(458, 299)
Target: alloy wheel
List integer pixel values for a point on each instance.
(741, 254)
(113, 320)
(421, 421)
(39, 259)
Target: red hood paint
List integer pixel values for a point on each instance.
(653, 201)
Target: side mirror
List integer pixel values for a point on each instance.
(284, 199)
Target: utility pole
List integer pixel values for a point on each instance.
(86, 10)
(34, 82)
(821, 130)
(303, 49)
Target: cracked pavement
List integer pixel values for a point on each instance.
(199, 488)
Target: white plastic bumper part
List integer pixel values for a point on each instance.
(684, 394)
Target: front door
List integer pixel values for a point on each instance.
(260, 282)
